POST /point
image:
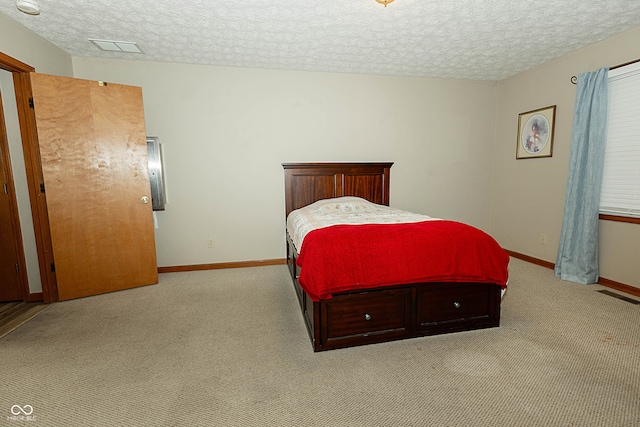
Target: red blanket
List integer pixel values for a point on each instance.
(348, 257)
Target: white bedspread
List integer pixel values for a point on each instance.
(344, 210)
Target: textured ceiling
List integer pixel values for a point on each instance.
(460, 39)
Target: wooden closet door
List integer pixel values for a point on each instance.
(92, 143)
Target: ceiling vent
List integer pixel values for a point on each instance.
(115, 46)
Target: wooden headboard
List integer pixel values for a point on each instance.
(305, 183)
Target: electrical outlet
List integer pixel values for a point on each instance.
(543, 239)
(210, 243)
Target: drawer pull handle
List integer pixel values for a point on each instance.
(367, 316)
(456, 304)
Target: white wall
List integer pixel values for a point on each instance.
(26, 46)
(226, 132)
(29, 48)
(528, 196)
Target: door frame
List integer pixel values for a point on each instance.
(14, 217)
(35, 180)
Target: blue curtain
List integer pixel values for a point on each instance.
(577, 258)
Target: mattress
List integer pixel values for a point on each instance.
(344, 211)
(349, 243)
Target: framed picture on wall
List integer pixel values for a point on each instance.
(535, 133)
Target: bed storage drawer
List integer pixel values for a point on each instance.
(449, 307)
(366, 317)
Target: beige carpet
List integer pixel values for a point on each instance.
(229, 348)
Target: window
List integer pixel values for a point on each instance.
(621, 180)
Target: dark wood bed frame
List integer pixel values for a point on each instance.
(382, 314)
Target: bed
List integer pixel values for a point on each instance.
(352, 296)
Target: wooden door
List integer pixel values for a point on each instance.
(11, 281)
(92, 143)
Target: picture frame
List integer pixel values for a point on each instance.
(536, 130)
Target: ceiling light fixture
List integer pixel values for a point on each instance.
(384, 2)
(29, 7)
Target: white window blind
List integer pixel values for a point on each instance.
(621, 180)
